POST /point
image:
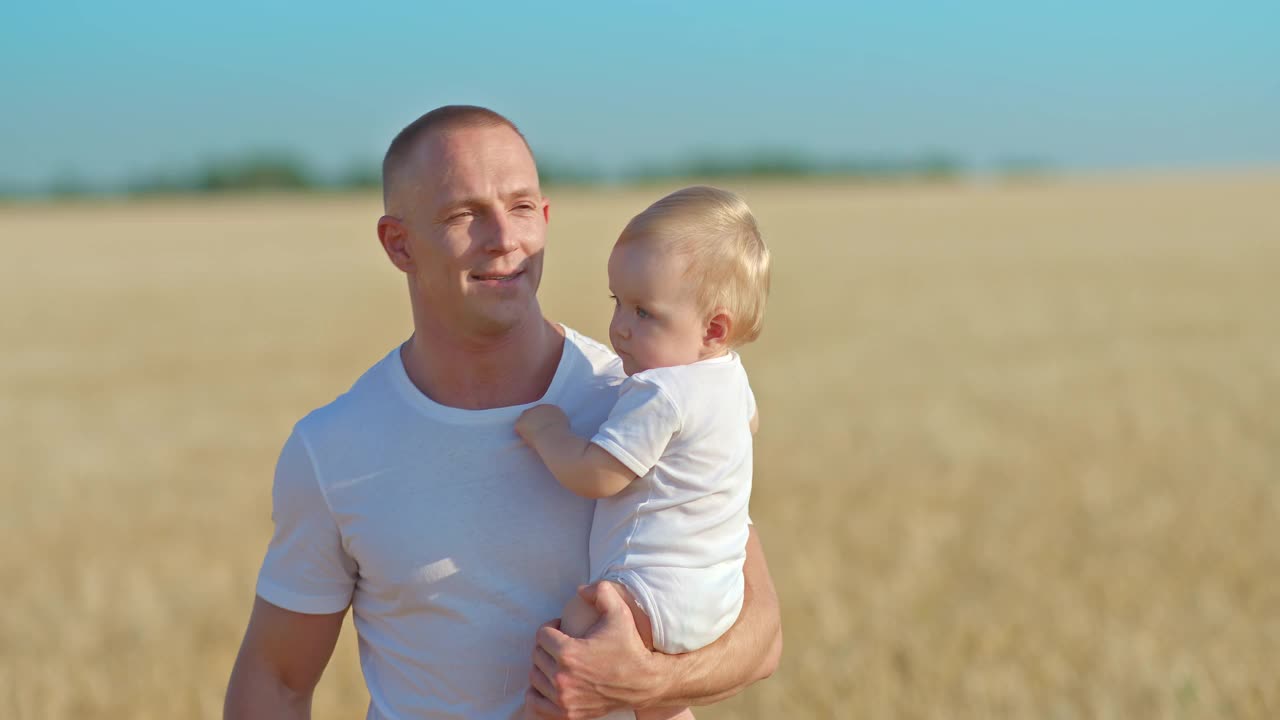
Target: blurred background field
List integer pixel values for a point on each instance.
(1020, 453)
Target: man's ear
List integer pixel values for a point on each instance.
(718, 329)
(546, 210)
(395, 241)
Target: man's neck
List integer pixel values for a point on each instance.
(482, 372)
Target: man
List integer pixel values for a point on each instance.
(411, 500)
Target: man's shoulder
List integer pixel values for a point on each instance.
(360, 406)
(600, 360)
(595, 365)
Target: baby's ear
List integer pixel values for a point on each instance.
(718, 329)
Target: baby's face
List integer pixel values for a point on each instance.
(656, 319)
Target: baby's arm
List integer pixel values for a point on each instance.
(582, 467)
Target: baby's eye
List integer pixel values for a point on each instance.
(642, 313)
(614, 298)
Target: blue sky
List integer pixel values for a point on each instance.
(105, 90)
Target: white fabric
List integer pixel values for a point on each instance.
(445, 533)
(677, 536)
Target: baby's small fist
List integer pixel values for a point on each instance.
(538, 419)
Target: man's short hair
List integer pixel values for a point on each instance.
(728, 260)
(447, 117)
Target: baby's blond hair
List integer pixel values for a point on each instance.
(728, 260)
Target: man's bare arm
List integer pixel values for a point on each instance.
(610, 668)
(281, 659)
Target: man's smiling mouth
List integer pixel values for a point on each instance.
(495, 277)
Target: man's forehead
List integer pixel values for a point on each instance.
(450, 149)
(464, 161)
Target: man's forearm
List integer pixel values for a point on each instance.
(747, 652)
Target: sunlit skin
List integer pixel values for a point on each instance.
(467, 223)
(657, 321)
(471, 239)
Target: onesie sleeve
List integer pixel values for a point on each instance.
(640, 425)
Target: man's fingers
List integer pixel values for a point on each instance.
(609, 601)
(606, 597)
(540, 707)
(543, 663)
(588, 593)
(553, 641)
(527, 711)
(544, 667)
(542, 686)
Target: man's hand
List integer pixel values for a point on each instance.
(539, 419)
(608, 669)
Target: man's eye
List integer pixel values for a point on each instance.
(460, 215)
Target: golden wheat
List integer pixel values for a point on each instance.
(1020, 453)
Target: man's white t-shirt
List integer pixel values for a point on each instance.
(444, 532)
(677, 535)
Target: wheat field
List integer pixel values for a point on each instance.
(1019, 455)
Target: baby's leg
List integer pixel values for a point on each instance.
(578, 617)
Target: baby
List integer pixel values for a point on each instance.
(671, 466)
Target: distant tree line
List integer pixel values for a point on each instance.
(250, 173)
(788, 164)
(283, 171)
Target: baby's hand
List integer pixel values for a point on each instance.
(538, 419)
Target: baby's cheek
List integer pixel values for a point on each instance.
(653, 351)
(674, 354)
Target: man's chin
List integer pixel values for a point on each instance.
(503, 317)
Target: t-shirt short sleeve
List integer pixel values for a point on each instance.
(639, 426)
(306, 569)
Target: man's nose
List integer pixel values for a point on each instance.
(503, 236)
